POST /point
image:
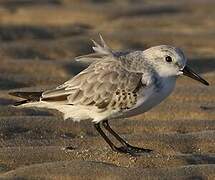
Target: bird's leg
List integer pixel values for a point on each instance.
(110, 130)
(126, 148)
(98, 128)
(101, 132)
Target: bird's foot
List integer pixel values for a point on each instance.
(132, 150)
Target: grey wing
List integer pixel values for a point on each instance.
(102, 84)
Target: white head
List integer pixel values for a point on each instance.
(166, 60)
(169, 61)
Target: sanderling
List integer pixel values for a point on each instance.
(117, 84)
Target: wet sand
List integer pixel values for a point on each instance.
(39, 40)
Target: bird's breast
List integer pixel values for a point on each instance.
(160, 92)
(152, 96)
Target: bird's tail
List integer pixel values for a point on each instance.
(27, 96)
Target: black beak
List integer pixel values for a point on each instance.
(190, 73)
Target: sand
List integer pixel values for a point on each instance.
(39, 40)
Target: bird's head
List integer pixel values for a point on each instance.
(170, 61)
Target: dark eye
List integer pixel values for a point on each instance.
(168, 59)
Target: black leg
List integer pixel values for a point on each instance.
(110, 130)
(98, 128)
(113, 147)
(127, 148)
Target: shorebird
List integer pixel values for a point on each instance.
(117, 84)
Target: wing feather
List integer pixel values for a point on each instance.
(100, 51)
(97, 85)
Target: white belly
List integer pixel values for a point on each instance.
(151, 97)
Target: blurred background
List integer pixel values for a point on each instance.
(38, 42)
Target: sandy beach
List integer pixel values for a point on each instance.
(38, 42)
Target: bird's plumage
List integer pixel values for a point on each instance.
(100, 51)
(115, 84)
(97, 85)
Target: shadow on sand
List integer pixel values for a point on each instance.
(12, 5)
(149, 11)
(18, 32)
(6, 84)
